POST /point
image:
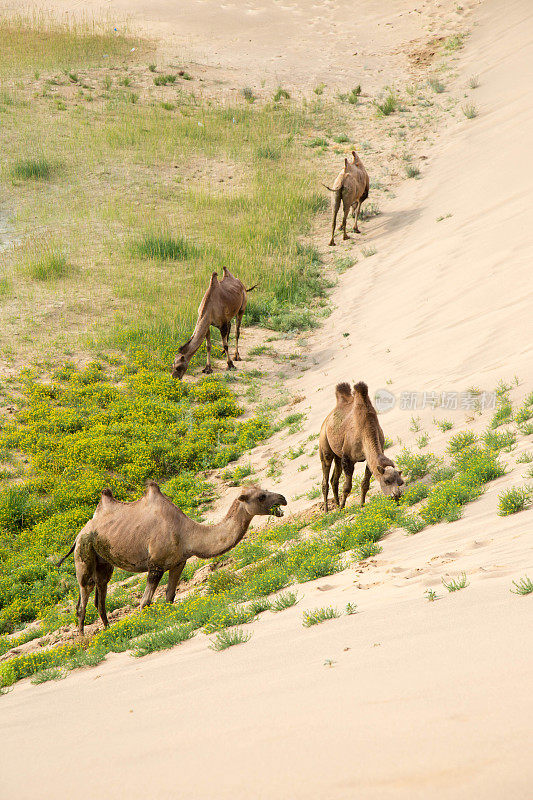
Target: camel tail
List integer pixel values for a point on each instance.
(342, 390)
(67, 555)
(251, 288)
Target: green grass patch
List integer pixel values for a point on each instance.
(523, 586)
(226, 639)
(34, 169)
(319, 615)
(513, 500)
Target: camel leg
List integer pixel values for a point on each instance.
(348, 468)
(337, 469)
(326, 457)
(154, 576)
(335, 211)
(85, 592)
(238, 321)
(174, 575)
(208, 369)
(225, 332)
(356, 215)
(365, 484)
(346, 208)
(103, 574)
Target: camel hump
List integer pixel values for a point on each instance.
(108, 494)
(361, 389)
(214, 278)
(343, 391)
(152, 490)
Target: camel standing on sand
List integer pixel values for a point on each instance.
(351, 186)
(223, 300)
(153, 535)
(352, 433)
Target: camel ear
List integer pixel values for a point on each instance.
(353, 154)
(244, 497)
(345, 163)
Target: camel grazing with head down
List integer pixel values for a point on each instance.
(351, 187)
(352, 433)
(223, 300)
(153, 535)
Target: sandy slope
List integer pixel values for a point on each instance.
(422, 700)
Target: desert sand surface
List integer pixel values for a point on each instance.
(405, 698)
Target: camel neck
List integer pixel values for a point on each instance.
(207, 541)
(198, 335)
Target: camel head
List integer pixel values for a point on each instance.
(390, 479)
(260, 501)
(181, 362)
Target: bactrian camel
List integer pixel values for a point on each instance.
(351, 187)
(153, 535)
(352, 433)
(223, 300)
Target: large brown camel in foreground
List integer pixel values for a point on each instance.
(351, 187)
(352, 433)
(153, 535)
(223, 300)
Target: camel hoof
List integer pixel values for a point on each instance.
(237, 358)
(356, 230)
(207, 370)
(231, 365)
(345, 238)
(332, 243)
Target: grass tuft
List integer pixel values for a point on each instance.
(229, 638)
(388, 104)
(283, 601)
(456, 584)
(50, 267)
(513, 500)
(469, 110)
(36, 169)
(319, 615)
(523, 586)
(51, 674)
(163, 247)
(160, 640)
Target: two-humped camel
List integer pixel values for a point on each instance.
(351, 187)
(223, 300)
(352, 433)
(153, 535)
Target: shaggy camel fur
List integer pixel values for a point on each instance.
(223, 300)
(152, 535)
(351, 187)
(352, 433)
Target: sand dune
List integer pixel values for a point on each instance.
(420, 699)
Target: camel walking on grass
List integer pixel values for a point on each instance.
(351, 188)
(153, 535)
(352, 433)
(223, 300)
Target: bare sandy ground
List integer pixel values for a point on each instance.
(405, 699)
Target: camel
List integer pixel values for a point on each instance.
(153, 535)
(349, 434)
(351, 186)
(223, 300)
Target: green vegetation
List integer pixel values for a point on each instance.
(436, 85)
(39, 168)
(227, 639)
(163, 80)
(50, 267)
(283, 601)
(513, 500)
(351, 608)
(415, 465)
(281, 94)
(456, 584)
(469, 110)
(523, 586)
(411, 171)
(319, 615)
(388, 103)
(473, 82)
(160, 640)
(431, 595)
